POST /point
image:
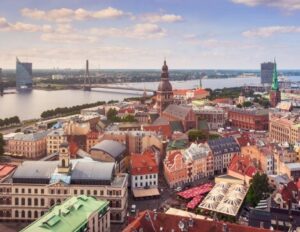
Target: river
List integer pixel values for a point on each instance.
(31, 104)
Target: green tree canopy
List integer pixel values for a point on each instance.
(258, 190)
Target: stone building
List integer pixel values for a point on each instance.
(36, 186)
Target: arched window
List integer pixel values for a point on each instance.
(36, 201)
(16, 201)
(52, 202)
(36, 214)
(29, 214)
(63, 163)
(29, 201)
(42, 202)
(23, 214)
(23, 201)
(16, 213)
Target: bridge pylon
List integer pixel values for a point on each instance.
(87, 78)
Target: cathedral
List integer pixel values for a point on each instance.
(164, 94)
(275, 95)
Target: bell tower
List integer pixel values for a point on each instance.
(164, 92)
(275, 94)
(64, 165)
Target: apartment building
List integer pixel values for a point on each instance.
(54, 139)
(284, 127)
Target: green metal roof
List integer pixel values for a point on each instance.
(71, 215)
(177, 144)
(275, 85)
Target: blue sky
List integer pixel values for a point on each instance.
(201, 34)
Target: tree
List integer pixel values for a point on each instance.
(2, 143)
(258, 189)
(247, 104)
(195, 135)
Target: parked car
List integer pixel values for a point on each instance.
(133, 209)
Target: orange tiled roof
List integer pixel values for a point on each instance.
(200, 91)
(6, 169)
(180, 91)
(242, 165)
(142, 164)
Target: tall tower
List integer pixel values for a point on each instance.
(64, 165)
(164, 92)
(23, 75)
(275, 95)
(87, 78)
(1, 84)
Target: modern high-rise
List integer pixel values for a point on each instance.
(23, 75)
(266, 72)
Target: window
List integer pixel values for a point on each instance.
(16, 213)
(29, 201)
(16, 201)
(88, 192)
(75, 191)
(35, 191)
(29, 191)
(23, 201)
(42, 202)
(81, 191)
(95, 192)
(23, 190)
(42, 191)
(36, 201)
(17, 191)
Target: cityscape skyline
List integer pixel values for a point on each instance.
(138, 35)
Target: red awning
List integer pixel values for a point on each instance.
(200, 190)
(193, 203)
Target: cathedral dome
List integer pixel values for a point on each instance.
(164, 86)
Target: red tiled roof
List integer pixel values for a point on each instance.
(163, 129)
(200, 91)
(142, 164)
(180, 91)
(151, 222)
(242, 165)
(6, 169)
(287, 192)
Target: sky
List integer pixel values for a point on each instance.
(139, 34)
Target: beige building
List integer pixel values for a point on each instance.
(54, 139)
(135, 141)
(284, 127)
(36, 186)
(28, 146)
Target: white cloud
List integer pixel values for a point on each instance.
(24, 27)
(67, 38)
(164, 18)
(289, 5)
(138, 31)
(68, 15)
(269, 31)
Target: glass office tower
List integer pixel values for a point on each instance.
(23, 75)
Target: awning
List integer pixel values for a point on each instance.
(152, 192)
(196, 191)
(193, 203)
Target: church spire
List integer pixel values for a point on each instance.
(275, 85)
